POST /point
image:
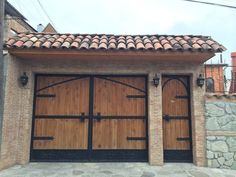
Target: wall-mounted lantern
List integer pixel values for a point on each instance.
(200, 80)
(156, 80)
(24, 79)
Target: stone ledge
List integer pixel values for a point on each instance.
(221, 133)
(220, 96)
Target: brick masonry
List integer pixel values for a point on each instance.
(221, 132)
(18, 105)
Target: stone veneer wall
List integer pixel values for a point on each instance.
(221, 131)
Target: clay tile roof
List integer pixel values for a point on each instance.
(114, 42)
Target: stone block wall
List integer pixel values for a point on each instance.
(221, 131)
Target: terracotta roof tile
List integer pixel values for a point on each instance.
(46, 44)
(102, 46)
(66, 45)
(42, 39)
(94, 45)
(140, 46)
(84, 45)
(131, 46)
(10, 42)
(197, 47)
(167, 46)
(186, 46)
(37, 44)
(56, 44)
(158, 46)
(114, 42)
(112, 45)
(149, 46)
(18, 44)
(103, 40)
(27, 44)
(121, 46)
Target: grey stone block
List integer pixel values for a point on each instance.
(208, 145)
(219, 146)
(211, 138)
(223, 138)
(220, 104)
(228, 155)
(215, 163)
(232, 144)
(224, 120)
(221, 160)
(212, 124)
(229, 127)
(229, 163)
(217, 155)
(214, 110)
(210, 155)
(228, 109)
(234, 165)
(233, 108)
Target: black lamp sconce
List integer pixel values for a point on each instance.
(24, 79)
(200, 80)
(156, 80)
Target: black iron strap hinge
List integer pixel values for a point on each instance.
(183, 139)
(43, 138)
(46, 95)
(136, 138)
(181, 97)
(136, 96)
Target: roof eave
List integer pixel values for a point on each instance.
(113, 54)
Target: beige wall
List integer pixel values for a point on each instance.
(18, 107)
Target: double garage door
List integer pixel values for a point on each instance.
(89, 118)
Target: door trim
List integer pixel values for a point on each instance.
(181, 155)
(69, 155)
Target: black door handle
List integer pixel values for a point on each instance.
(82, 117)
(98, 117)
(166, 117)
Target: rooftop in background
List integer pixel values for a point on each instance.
(176, 43)
(13, 14)
(12, 11)
(49, 29)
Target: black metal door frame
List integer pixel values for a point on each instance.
(67, 155)
(181, 155)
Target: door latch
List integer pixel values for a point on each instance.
(82, 117)
(98, 117)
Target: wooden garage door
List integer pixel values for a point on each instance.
(89, 118)
(176, 118)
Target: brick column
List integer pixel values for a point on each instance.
(155, 122)
(198, 122)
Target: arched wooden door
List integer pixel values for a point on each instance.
(176, 119)
(89, 118)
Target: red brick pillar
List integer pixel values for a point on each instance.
(233, 83)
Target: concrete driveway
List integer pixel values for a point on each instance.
(113, 170)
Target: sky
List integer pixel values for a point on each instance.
(136, 17)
